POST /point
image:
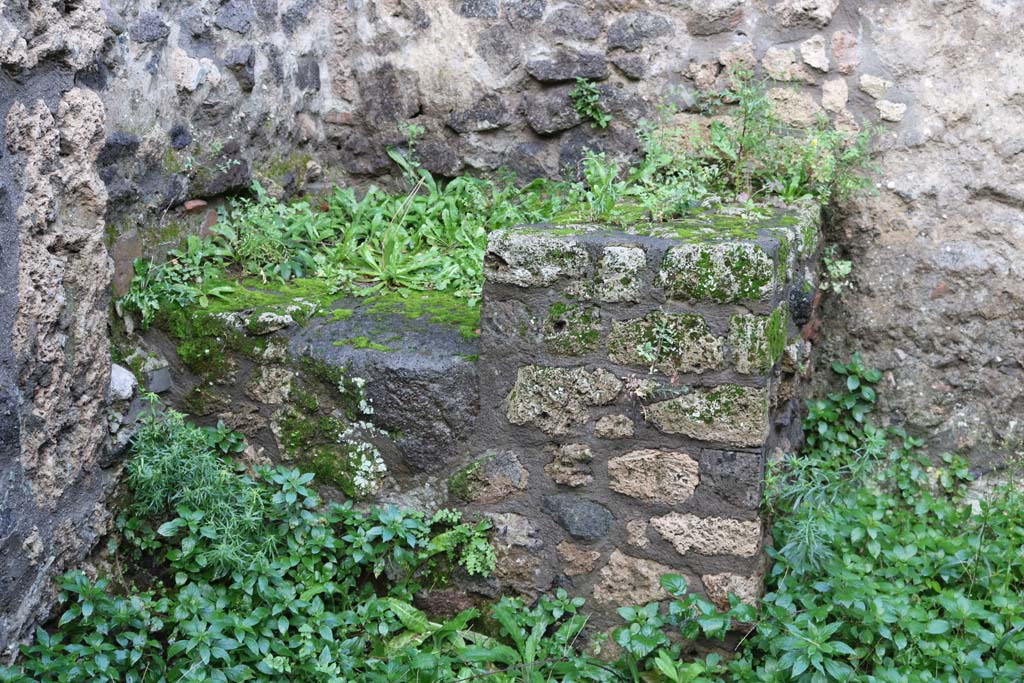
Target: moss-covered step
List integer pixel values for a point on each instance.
(417, 354)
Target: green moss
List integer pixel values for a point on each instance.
(757, 342)
(204, 400)
(205, 357)
(460, 483)
(724, 273)
(337, 314)
(252, 294)
(278, 167)
(571, 329)
(438, 307)
(668, 342)
(362, 343)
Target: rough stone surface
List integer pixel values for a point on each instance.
(667, 342)
(875, 86)
(813, 52)
(718, 272)
(528, 260)
(629, 580)
(570, 465)
(815, 13)
(122, 383)
(781, 64)
(55, 370)
(720, 586)
(633, 31)
(270, 384)
(577, 560)
(618, 274)
(636, 533)
(614, 427)
(492, 478)
(583, 519)
(566, 65)
(729, 414)
(556, 399)
(709, 535)
(662, 476)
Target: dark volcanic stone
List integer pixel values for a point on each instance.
(572, 21)
(632, 31)
(307, 76)
(567, 65)
(632, 66)
(423, 390)
(296, 14)
(583, 519)
(180, 136)
(500, 48)
(119, 145)
(524, 12)
(489, 113)
(149, 27)
(242, 61)
(195, 21)
(551, 111)
(236, 15)
(389, 94)
(438, 157)
(479, 9)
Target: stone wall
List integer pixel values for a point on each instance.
(632, 384)
(301, 93)
(54, 280)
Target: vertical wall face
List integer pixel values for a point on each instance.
(54, 276)
(203, 96)
(631, 389)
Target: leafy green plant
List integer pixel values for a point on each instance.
(836, 277)
(586, 98)
(224, 439)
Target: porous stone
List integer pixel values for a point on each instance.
(720, 586)
(667, 477)
(619, 274)
(556, 399)
(636, 533)
(668, 342)
(633, 31)
(488, 113)
(844, 51)
(235, 15)
(567, 65)
(632, 66)
(780, 63)
(570, 465)
(551, 111)
(739, 54)
(518, 545)
(270, 384)
(709, 535)
(723, 273)
(149, 27)
(709, 17)
(530, 260)
(122, 383)
(875, 86)
(813, 53)
(614, 427)
(834, 95)
(798, 108)
(756, 342)
(577, 560)
(815, 13)
(583, 519)
(268, 322)
(492, 478)
(627, 580)
(571, 329)
(729, 413)
(891, 111)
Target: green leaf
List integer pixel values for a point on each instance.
(673, 583)
(937, 627)
(411, 618)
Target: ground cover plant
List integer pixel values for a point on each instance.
(883, 572)
(431, 236)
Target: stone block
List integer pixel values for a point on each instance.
(709, 535)
(619, 274)
(730, 413)
(629, 580)
(577, 560)
(571, 329)
(582, 518)
(492, 478)
(570, 465)
(556, 399)
(732, 476)
(568, 65)
(528, 259)
(756, 342)
(614, 427)
(670, 343)
(667, 477)
(719, 587)
(721, 273)
(635, 30)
